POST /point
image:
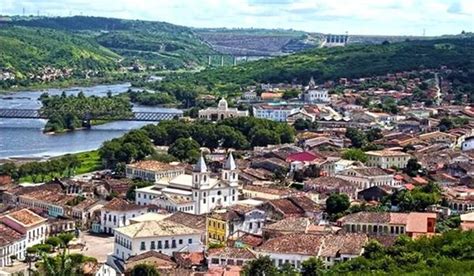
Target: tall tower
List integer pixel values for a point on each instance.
(229, 171)
(200, 173)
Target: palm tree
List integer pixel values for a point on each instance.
(61, 265)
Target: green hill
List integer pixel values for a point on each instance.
(350, 62)
(26, 50)
(160, 44)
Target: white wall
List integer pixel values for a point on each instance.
(122, 218)
(191, 243)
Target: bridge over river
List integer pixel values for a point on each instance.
(133, 116)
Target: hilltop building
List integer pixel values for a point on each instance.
(221, 112)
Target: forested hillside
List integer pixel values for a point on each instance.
(159, 44)
(329, 64)
(30, 50)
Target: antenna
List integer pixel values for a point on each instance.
(23, 11)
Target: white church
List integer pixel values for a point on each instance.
(195, 193)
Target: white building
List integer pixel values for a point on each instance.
(297, 248)
(468, 144)
(195, 193)
(117, 213)
(386, 159)
(366, 177)
(152, 170)
(12, 243)
(24, 221)
(163, 236)
(277, 113)
(221, 112)
(314, 94)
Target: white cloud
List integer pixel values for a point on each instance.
(332, 16)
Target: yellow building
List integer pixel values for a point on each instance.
(387, 159)
(217, 227)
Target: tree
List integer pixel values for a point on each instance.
(374, 134)
(412, 167)
(373, 250)
(312, 267)
(144, 270)
(185, 149)
(337, 203)
(445, 124)
(354, 154)
(288, 269)
(290, 94)
(357, 137)
(264, 137)
(54, 241)
(262, 266)
(65, 238)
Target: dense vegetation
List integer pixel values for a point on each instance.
(30, 50)
(185, 138)
(450, 253)
(326, 64)
(160, 44)
(68, 112)
(150, 98)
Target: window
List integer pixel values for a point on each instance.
(259, 224)
(152, 245)
(180, 241)
(142, 246)
(225, 198)
(212, 199)
(190, 241)
(204, 201)
(167, 245)
(240, 262)
(215, 261)
(219, 192)
(250, 225)
(160, 245)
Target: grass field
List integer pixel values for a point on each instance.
(90, 161)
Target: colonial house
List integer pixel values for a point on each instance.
(29, 224)
(297, 248)
(221, 112)
(277, 113)
(163, 236)
(229, 256)
(386, 159)
(300, 206)
(221, 224)
(117, 213)
(328, 184)
(365, 177)
(12, 243)
(152, 170)
(195, 193)
(375, 223)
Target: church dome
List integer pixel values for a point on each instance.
(222, 104)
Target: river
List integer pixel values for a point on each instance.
(24, 138)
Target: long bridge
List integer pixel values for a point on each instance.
(133, 116)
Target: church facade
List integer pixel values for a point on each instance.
(221, 112)
(196, 193)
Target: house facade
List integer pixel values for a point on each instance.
(152, 170)
(26, 222)
(386, 159)
(221, 112)
(366, 177)
(118, 213)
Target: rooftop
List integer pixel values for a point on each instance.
(8, 235)
(387, 153)
(118, 204)
(304, 244)
(152, 165)
(26, 217)
(197, 222)
(155, 228)
(231, 252)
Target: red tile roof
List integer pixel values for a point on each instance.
(305, 156)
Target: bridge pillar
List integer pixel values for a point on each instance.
(86, 123)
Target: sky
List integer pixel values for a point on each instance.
(378, 17)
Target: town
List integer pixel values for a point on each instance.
(284, 178)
